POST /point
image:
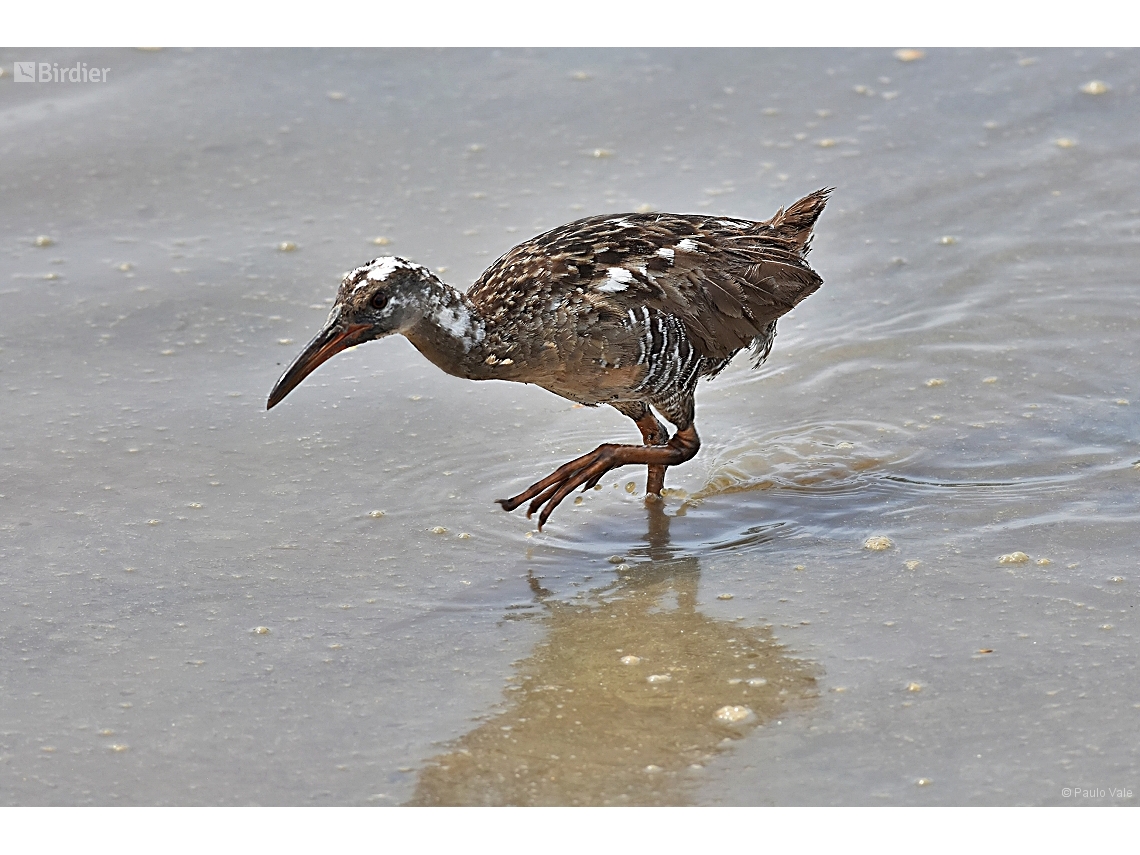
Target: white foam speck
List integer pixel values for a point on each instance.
(687, 245)
(617, 279)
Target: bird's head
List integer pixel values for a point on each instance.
(387, 295)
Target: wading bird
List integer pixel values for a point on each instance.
(629, 310)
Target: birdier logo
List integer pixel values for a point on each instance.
(51, 72)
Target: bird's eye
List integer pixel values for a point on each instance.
(379, 300)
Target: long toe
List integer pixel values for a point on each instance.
(593, 473)
(588, 469)
(552, 480)
(537, 501)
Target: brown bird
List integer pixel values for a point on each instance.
(629, 310)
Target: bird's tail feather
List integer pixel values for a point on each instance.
(796, 222)
(761, 346)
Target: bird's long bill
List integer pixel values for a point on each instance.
(330, 341)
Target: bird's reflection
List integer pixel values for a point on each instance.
(627, 698)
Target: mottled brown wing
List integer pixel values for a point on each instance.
(741, 275)
(726, 295)
(725, 279)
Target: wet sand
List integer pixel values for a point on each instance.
(205, 603)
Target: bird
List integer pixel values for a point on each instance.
(629, 310)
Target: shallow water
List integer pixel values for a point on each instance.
(198, 604)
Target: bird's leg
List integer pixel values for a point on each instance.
(680, 410)
(652, 433)
(588, 469)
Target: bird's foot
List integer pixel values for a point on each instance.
(584, 472)
(587, 470)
